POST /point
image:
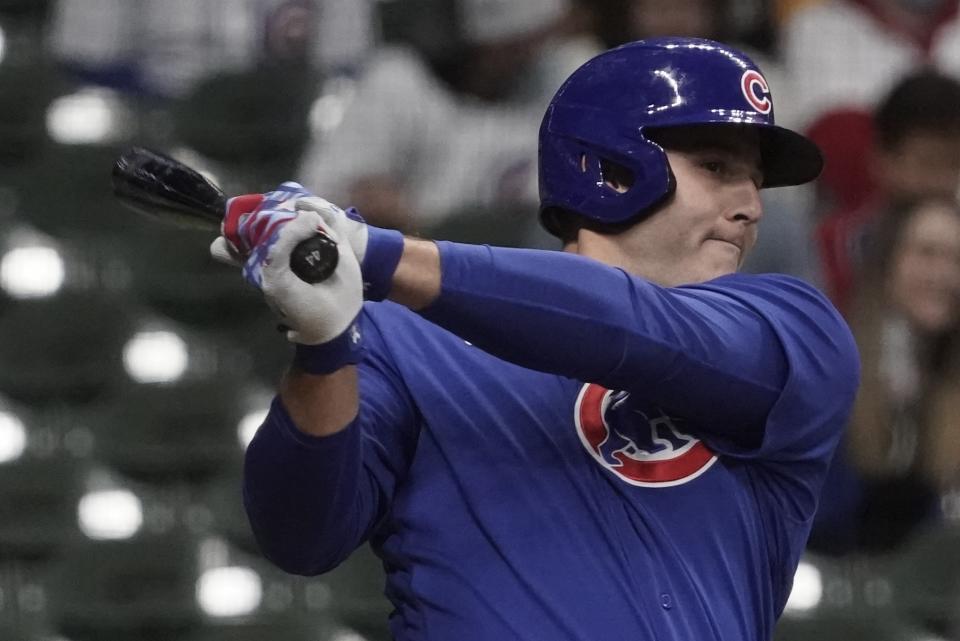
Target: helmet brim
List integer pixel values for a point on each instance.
(788, 158)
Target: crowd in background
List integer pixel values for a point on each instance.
(424, 115)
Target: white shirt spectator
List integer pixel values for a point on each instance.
(445, 151)
(167, 46)
(839, 54)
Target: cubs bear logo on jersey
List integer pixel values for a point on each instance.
(756, 91)
(640, 444)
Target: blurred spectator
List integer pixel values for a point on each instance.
(164, 47)
(909, 149)
(411, 150)
(848, 53)
(902, 449)
(784, 9)
(621, 21)
(750, 24)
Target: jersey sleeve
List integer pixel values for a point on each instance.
(738, 356)
(312, 500)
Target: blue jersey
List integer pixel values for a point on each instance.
(558, 450)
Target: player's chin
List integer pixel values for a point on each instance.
(719, 260)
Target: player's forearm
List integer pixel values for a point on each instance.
(416, 282)
(321, 405)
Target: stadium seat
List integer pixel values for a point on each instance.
(22, 632)
(233, 119)
(867, 625)
(173, 274)
(268, 349)
(355, 588)
(926, 580)
(24, 95)
(38, 506)
(266, 629)
(143, 588)
(224, 496)
(357, 595)
(183, 432)
(63, 349)
(24, 7)
(428, 26)
(66, 192)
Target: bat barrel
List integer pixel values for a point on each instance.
(162, 187)
(167, 190)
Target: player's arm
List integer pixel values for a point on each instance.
(713, 351)
(312, 499)
(321, 404)
(720, 352)
(573, 316)
(707, 352)
(320, 471)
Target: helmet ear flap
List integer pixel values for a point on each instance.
(617, 180)
(607, 174)
(615, 176)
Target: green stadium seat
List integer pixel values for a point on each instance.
(24, 7)
(866, 625)
(66, 192)
(233, 120)
(172, 273)
(38, 506)
(25, 93)
(224, 496)
(926, 580)
(266, 629)
(142, 588)
(355, 588)
(64, 349)
(23, 632)
(357, 598)
(183, 432)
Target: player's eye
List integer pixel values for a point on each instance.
(713, 166)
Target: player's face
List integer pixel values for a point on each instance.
(709, 226)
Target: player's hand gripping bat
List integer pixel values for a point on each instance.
(168, 190)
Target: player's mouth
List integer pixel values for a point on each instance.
(736, 244)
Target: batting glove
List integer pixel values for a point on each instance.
(378, 250)
(251, 218)
(320, 314)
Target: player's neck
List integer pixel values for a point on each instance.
(603, 248)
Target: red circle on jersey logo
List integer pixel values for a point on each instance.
(640, 446)
(756, 91)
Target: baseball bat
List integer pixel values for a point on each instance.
(168, 190)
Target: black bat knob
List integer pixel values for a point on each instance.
(313, 260)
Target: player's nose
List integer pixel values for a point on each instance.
(746, 206)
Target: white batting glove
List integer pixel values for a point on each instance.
(377, 250)
(313, 314)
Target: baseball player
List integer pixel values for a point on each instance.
(622, 440)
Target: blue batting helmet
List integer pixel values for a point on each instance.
(605, 113)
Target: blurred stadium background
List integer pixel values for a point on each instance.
(133, 370)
